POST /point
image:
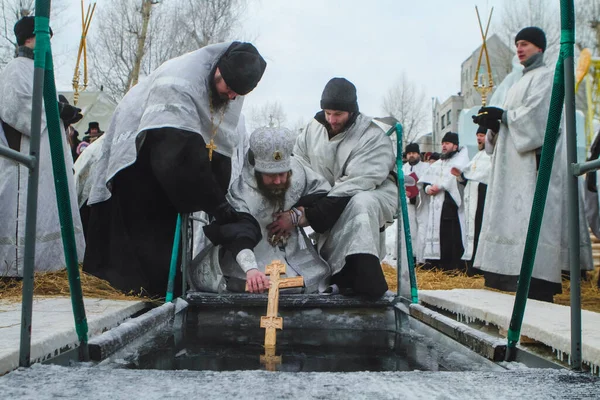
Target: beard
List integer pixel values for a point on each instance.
(481, 146)
(218, 100)
(414, 161)
(448, 155)
(275, 194)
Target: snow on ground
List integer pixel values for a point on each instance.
(545, 322)
(50, 382)
(53, 327)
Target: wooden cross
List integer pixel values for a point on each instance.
(271, 321)
(270, 359)
(211, 146)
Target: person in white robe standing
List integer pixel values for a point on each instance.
(16, 92)
(444, 237)
(357, 159)
(273, 186)
(516, 133)
(475, 177)
(417, 208)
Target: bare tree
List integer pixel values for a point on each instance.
(134, 37)
(587, 23)
(118, 45)
(10, 12)
(407, 103)
(269, 114)
(518, 14)
(145, 12)
(213, 20)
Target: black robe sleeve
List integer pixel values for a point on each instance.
(13, 136)
(237, 236)
(179, 160)
(324, 213)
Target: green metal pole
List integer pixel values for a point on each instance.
(567, 47)
(403, 211)
(174, 256)
(539, 200)
(31, 212)
(399, 227)
(186, 250)
(60, 175)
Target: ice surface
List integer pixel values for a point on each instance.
(50, 382)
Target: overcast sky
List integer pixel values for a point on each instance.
(369, 42)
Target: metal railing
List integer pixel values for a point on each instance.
(44, 90)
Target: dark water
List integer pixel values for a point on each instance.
(306, 350)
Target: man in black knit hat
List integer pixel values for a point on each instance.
(16, 91)
(517, 131)
(166, 151)
(356, 158)
(445, 234)
(417, 208)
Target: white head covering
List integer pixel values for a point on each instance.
(272, 149)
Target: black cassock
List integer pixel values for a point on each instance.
(130, 236)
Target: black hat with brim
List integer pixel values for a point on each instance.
(93, 125)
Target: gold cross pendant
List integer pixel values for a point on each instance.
(211, 146)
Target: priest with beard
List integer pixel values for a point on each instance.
(417, 208)
(273, 186)
(475, 178)
(166, 151)
(356, 157)
(444, 238)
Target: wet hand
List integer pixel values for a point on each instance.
(282, 225)
(257, 281)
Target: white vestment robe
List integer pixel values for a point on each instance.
(299, 255)
(512, 185)
(358, 164)
(477, 171)
(439, 174)
(16, 91)
(417, 213)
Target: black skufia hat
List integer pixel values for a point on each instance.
(450, 137)
(534, 35)
(412, 148)
(339, 94)
(242, 67)
(481, 129)
(25, 29)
